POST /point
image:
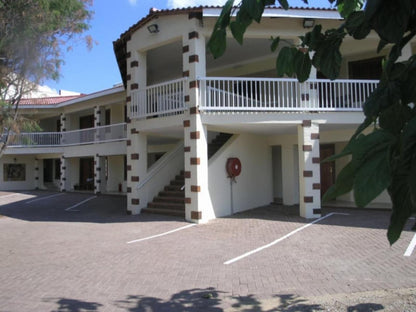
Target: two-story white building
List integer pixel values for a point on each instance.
(164, 137)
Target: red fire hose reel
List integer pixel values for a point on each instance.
(233, 167)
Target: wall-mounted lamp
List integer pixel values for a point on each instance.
(308, 23)
(153, 29)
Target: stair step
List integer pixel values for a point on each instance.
(172, 193)
(164, 212)
(171, 199)
(173, 187)
(163, 205)
(177, 182)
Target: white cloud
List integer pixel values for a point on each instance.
(133, 2)
(193, 3)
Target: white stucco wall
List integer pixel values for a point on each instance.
(254, 186)
(29, 183)
(115, 173)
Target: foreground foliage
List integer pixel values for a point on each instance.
(383, 148)
(32, 36)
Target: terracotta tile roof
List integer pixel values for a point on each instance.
(53, 100)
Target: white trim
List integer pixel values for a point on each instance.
(162, 234)
(291, 13)
(280, 239)
(44, 197)
(411, 247)
(80, 203)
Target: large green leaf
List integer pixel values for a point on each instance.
(372, 177)
(303, 65)
(357, 25)
(284, 62)
(217, 42)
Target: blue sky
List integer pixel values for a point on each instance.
(88, 71)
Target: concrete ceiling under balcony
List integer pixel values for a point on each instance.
(165, 63)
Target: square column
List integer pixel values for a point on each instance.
(99, 174)
(37, 182)
(63, 182)
(309, 170)
(198, 206)
(136, 170)
(136, 142)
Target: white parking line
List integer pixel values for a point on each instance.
(411, 247)
(162, 234)
(282, 238)
(10, 195)
(79, 204)
(42, 198)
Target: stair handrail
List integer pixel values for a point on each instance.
(161, 164)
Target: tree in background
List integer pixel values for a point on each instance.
(33, 34)
(385, 158)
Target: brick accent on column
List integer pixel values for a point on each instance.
(134, 131)
(195, 135)
(185, 49)
(316, 160)
(306, 123)
(193, 35)
(186, 123)
(187, 174)
(187, 99)
(135, 201)
(187, 149)
(195, 188)
(196, 215)
(134, 86)
(134, 64)
(134, 179)
(314, 136)
(185, 73)
(193, 58)
(128, 142)
(307, 148)
(134, 156)
(194, 110)
(194, 84)
(188, 200)
(195, 161)
(308, 174)
(308, 199)
(316, 186)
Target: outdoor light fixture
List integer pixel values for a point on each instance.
(153, 29)
(308, 23)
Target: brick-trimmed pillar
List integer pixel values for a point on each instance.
(309, 170)
(136, 142)
(98, 120)
(136, 170)
(64, 182)
(99, 174)
(37, 177)
(63, 122)
(198, 207)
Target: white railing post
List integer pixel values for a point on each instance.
(163, 99)
(283, 94)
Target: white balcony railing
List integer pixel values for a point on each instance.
(266, 94)
(43, 139)
(110, 133)
(162, 99)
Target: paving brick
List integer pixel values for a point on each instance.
(82, 259)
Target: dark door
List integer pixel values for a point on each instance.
(86, 173)
(327, 168)
(47, 170)
(86, 122)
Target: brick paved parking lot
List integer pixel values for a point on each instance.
(78, 252)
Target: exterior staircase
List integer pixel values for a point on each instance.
(171, 201)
